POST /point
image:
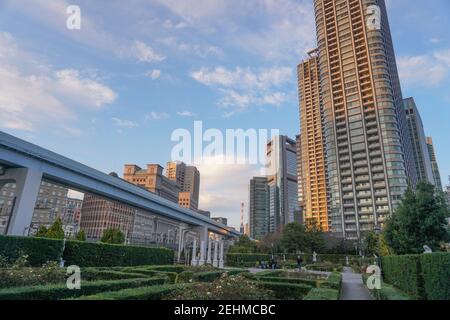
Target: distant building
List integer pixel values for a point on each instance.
(434, 164)
(51, 204)
(205, 213)
(247, 229)
(72, 217)
(188, 181)
(185, 200)
(447, 192)
(259, 207)
(282, 181)
(422, 158)
(153, 180)
(221, 220)
(99, 214)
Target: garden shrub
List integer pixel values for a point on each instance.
(334, 281)
(83, 254)
(19, 274)
(93, 274)
(60, 291)
(324, 266)
(436, 275)
(208, 276)
(38, 250)
(157, 292)
(322, 294)
(86, 254)
(286, 291)
(227, 287)
(404, 272)
(309, 282)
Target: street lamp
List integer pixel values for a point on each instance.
(377, 230)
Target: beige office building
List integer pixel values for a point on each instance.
(188, 181)
(153, 180)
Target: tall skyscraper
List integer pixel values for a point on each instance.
(417, 133)
(258, 207)
(368, 152)
(282, 181)
(434, 164)
(311, 153)
(188, 180)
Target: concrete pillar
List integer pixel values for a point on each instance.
(194, 253)
(209, 261)
(28, 183)
(221, 261)
(202, 252)
(216, 247)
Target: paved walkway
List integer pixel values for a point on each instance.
(353, 287)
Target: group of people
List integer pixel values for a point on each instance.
(273, 264)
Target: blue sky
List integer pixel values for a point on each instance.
(113, 92)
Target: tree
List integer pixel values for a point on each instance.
(56, 231)
(42, 232)
(293, 238)
(371, 243)
(270, 243)
(80, 236)
(243, 245)
(113, 236)
(315, 240)
(419, 220)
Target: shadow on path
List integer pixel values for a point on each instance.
(353, 287)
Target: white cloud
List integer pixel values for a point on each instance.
(428, 69)
(33, 95)
(154, 74)
(157, 116)
(145, 53)
(186, 113)
(123, 123)
(200, 50)
(242, 87)
(225, 202)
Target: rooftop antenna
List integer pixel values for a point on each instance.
(242, 218)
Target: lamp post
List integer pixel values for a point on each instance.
(377, 230)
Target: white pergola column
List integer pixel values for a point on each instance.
(208, 260)
(202, 252)
(221, 262)
(216, 247)
(28, 183)
(194, 253)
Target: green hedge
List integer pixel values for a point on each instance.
(210, 276)
(88, 254)
(83, 254)
(143, 293)
(387, 291)
(93, 274)
(38, 250)
(436, 275)
(60, 291)
(322, 294)
(404, 272)
(251, 259)
(286, 291)
(312, 283)
(330, 289)
(334, 281)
